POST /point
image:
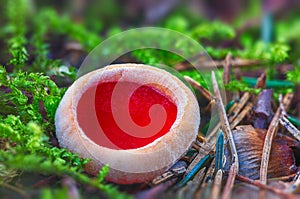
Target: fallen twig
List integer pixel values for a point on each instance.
(178, 169)
(200, 88)
(266, 187)
(230, 181)
(290, 127)
(15, 189)
(267, 147)
(236, 63)
(241, 116)
(242, 102)
(216, 189)
(261, 81)
(156, 191)
(227, 74)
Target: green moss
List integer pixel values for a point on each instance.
(294, 75)
(26, 131)
(16, 12)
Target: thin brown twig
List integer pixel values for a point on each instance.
(156, 191)
(44, 182)
(264, 186)
(202, 187)
(290, 127)
(287, 100)
(281, 105)
(199, 146)
(242, 102)
(230, 181)
(210, 65)
(210, 141)
(231, 110)
(295, 186)
(283, 178)
(201, 138)
(201, 153)
(216, 189)
(15, 189)
(261, 81)
(211, 137)
(267, 148)
(227, 68)
(242, 115)
(225, 123)
(192, 187)
(200, 88)
(227, 74)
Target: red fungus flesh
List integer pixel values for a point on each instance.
(140, 102)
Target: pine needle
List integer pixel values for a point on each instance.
(230, 182)
(242, 115)
(225, 123)
(216, 189)
(242, 102)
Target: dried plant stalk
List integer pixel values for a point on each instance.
(295, 188)
(210, 65)
(267, 146)
(157, 191)
(178, 169)
(241, 116)
(227, 68)
(204, 147)
(287, 100)
(225, 123)
(261, 81)
(244, 99)
(230, 182)
(265, 187)
(227, 74)
(216, 189)
(191, 189)
(290, 127)
(200, 88)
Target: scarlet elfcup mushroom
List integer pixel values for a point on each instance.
(136, 118)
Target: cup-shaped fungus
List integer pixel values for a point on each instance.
(136, 118)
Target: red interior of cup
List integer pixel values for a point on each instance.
(99, 100)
